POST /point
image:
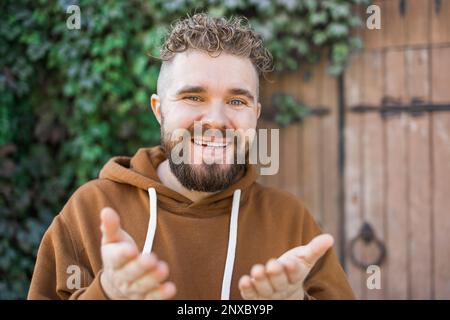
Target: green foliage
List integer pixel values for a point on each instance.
(288, 109)
(71, 99)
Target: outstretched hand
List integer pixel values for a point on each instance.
(126, 273)
(283, 278)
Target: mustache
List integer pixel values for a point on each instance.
(208, 130)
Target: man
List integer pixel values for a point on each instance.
(195, 229)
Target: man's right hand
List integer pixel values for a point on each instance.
(126, 273)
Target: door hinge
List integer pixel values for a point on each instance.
(390, 107)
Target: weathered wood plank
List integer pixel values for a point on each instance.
(419, 178)
(396, 275)
(353, 169)
(393, 23)
(417, 22)
(440, 22)
(373, 157)
(309, 89)
(329, 142)
(292, 143)
(440, 93)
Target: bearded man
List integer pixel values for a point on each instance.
(185, 220)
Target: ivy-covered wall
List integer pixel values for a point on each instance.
(71, 99)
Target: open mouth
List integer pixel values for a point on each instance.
(211, 151)
(210, 144)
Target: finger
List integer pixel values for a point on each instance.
(110, 226)
(152, 279)
(260, 281)
(246, 288)
(315, 249)
(293, 270)
(116, 255)
(165, 291)
(144, 284)
(137, 268)
(277, 276)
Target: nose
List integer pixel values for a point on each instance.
(215, 116)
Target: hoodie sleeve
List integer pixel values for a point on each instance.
(68, 264)
(327, 280)
(59, 273)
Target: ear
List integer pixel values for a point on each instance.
(155, 103)
(258, 110)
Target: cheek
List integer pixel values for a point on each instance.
(245, 119)
(178, 118)
(245, 122)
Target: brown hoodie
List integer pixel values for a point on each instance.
(194, 238)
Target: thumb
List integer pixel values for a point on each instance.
(110, 226)
(313, 251)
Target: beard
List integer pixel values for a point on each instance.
(201, 177)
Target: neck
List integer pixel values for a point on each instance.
(169, 180)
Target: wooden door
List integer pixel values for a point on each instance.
(381, 156)
(397, 173)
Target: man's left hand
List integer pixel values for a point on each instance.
(283, 278)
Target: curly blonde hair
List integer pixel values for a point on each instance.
(214, 35)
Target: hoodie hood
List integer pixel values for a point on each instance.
(140, 171)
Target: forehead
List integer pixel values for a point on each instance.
(193, 67)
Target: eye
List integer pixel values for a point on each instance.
(237, 102)
(193, 98)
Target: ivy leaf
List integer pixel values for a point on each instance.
(337, 30)
(318, 18)
(340, 52)
(319, 38)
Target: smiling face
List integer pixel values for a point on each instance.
(209, 96)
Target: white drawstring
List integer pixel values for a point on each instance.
(232, 238)
(226, 283)
(152, 224)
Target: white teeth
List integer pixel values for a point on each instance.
(210, 144)
(215, 144)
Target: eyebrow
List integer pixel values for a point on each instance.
(242, 92)
(190, 89)
(200, 89)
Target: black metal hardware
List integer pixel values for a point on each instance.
(437, 6)
(402, 7)
(319, 111)
(269, 113)
(366, 236)
(391, 107)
